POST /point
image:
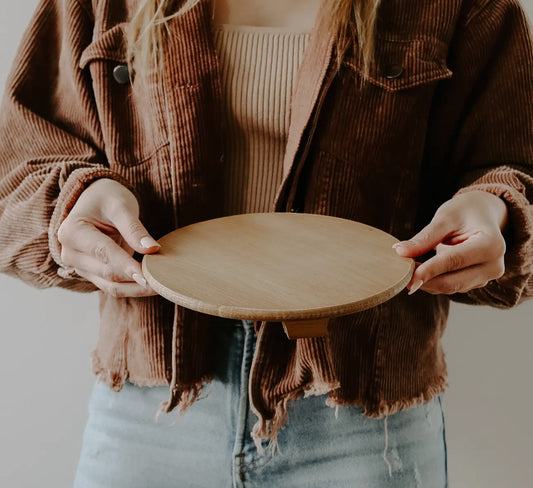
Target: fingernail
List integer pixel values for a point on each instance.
(405, 244)
(415, 287)
(139, 279)
(401, 247)
(148, 242)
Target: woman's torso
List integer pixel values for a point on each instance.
(376, 152)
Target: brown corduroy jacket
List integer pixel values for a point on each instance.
(447, 108)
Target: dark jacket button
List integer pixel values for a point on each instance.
(121, 74)
(392, 71)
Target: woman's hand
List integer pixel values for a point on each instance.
(466, 233)
(99, 236)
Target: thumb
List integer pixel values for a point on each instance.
(133, 231)
(426, 240)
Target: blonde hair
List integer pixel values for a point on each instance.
(352, 21)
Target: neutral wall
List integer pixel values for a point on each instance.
(47, 335)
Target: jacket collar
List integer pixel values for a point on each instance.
(309, 81)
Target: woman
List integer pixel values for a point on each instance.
(124, 120)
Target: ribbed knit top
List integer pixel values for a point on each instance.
(258, 67)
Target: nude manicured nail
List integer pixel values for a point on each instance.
(415, 287)
(402, 247)
(139, 279)
(148, 242)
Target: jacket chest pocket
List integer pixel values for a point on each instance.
(369, 144)
(405, 63)
(387, 110)
(132, 122)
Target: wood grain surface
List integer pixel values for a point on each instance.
(277, 266)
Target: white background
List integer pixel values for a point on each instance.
(47, 335)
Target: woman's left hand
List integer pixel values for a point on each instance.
(466, 233)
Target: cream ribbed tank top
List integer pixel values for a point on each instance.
(258, 67)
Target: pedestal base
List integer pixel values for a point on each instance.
(298, 329)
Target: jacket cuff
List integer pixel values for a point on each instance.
(71, 189)
(515, 284)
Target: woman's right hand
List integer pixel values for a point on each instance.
(99, 236)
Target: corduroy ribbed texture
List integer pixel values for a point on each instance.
(258, 66)
(386, 152)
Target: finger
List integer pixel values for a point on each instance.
(464, 280)
(118, 290)
(131, 229)
(427, 239)
(89, 240)
(476, 250)
(88, 263)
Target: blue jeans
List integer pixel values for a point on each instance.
(211, 446)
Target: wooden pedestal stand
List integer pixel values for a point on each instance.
(294, 268)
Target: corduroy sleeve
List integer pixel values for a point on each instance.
(50, 143)
(494, 145)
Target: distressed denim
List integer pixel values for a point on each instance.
(210, 445)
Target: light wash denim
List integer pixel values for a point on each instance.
(210, 445)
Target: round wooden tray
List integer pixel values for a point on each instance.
(295, 268)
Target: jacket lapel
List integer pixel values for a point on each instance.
(309, 82)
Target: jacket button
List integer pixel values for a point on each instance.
(392, 71)
(121, 74)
